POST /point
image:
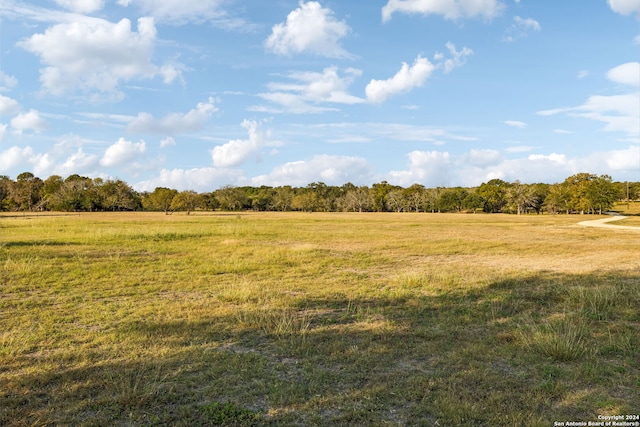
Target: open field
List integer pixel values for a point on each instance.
(316, 319)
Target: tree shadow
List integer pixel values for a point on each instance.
(400, 357)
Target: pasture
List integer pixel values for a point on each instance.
(133, 319)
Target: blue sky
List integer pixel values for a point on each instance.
(197, 94)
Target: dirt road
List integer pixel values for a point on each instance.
(604, 223)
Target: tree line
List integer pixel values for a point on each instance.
(580, 193)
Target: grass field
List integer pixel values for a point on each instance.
(139, 319)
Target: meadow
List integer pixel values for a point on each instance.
(137, 319)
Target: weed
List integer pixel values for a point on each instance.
(563, 338)
(230, 415)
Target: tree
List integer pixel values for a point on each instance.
(356, 199)
(282, 199)
(415, 197)
(231, 198)
(306, 201)
(187, 200)
(520, 197)
(6, 203)
(452, 199)
(380, 191)
(601, 193)
(25, 191)
(494, 194)
(558, 199)
(577, 186)
(160, 200)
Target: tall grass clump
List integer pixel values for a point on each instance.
(563, 338)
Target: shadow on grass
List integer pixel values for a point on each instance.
(521, 351)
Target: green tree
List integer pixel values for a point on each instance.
(6, 203)
(558, 199)
(231, 198)
(601, 193)
(187, 200)
(520, 197)
(25, 191)
(452, 199)
(494, 194)
(380, 191)
(160, 200)
(282, 198)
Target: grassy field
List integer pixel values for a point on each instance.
(139, 319)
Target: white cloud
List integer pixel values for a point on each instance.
(30, 120)
(174, 123)
(332, 170)
(624, 160)
(7, 82)
(408, 78)
(3, 131)
(122, 152)
(309, 89)
(236, 151)
(78, 162)
(450, 9)
(180, 12)
(8, 105)
(81, 6)
(625, 7)
(619, 112)
(562, 131)
(432, 167)
(515, 123)
(14, 157)
(198, 179)
(482, 158)
(582, 74)
(309, 28)
(96, 55)
(457, 59)
(167, 142)
(628, 74)
(521, 27)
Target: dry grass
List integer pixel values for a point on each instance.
(315, 319)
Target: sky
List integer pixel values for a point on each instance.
(199, 94)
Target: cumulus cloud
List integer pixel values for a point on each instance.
(521, 27)
(332, 170)
(8, 105)
(625, 7)
(174, 123)
(81, 6)
(198, 179)
(628, 74)
(236, 151)
(7, 82)
(166, 142)
(95, 55)
(15, 157)
(30, 120)
(307, 90)
(122, 152)
(624, 160)
(449, 9)
(310, 28)
(432, 167)
(405, 80)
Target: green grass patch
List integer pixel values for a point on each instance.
(315, 319)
